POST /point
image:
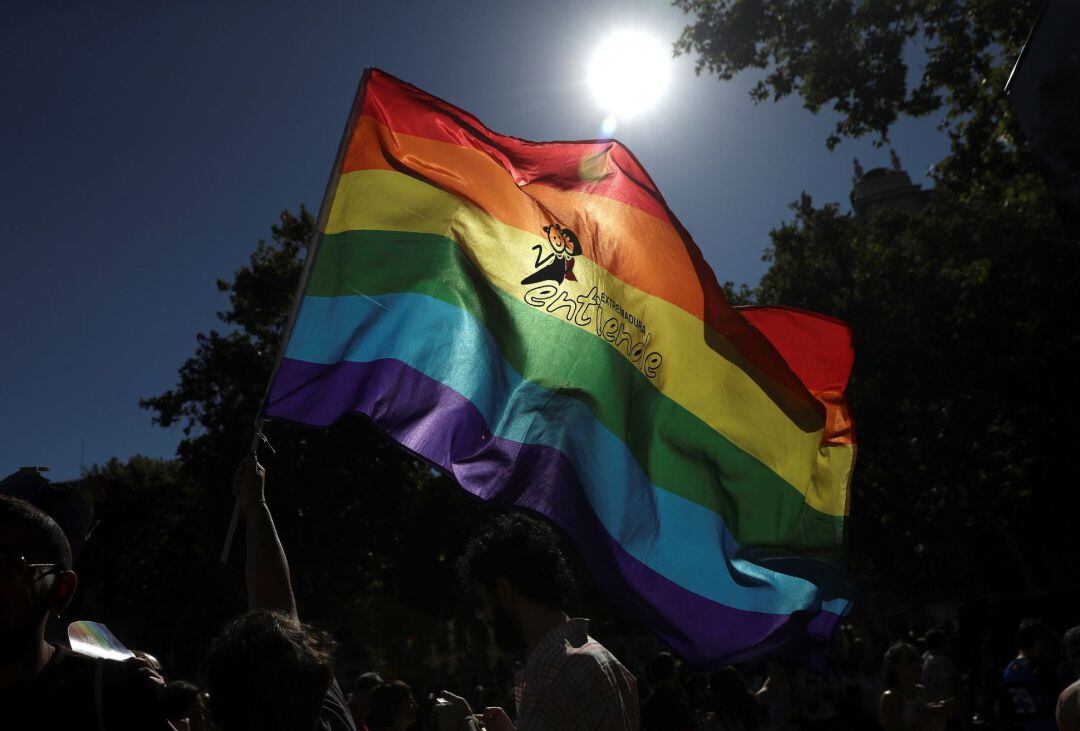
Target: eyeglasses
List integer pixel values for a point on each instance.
(15, 564)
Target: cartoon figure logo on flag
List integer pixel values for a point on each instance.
(563, 246)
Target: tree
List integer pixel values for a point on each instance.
(856, 56)
(144, 570)
(960, 311)
(367, 527)
(963, 341)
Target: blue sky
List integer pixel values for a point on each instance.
(149, 145)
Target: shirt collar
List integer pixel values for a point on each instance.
(575, 631)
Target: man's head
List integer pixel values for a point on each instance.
(902, 666)
(936, 641)
(1036, 640)
(266, 670)
(35, 574)
(360, 697)
(662, 670)
(392, 706)
(514, 562)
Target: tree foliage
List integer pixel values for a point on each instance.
(369, 530)
(148, 568)
(963, 339)
(858, 56)
(960, 312)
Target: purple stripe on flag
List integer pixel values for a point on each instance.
(444, 427)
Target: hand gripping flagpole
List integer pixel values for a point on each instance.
(235, 519)
(313, 245)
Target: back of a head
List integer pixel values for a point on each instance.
(177, 699)
(936, 641)
(894, 657)
(366, 682)
(527, 552)
(661, 668)
(733, 699)
(268, 671)
(49, 541)
(1031, 631)
(387, 701)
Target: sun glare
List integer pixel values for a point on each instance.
(628, 74)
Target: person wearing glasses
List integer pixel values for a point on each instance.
(47, 686)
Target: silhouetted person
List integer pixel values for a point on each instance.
(46, 686)
(360, 698)
(903, 703)
(736, 707)
(665, 709)
(393, 707)
(183, 704)
(1030, 680)
(522, 582)
(939, 675)
(1068, 702)
(267, 670)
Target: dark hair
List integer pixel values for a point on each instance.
(386, 702)
(936, 640)
(572, 237)
(176, 699)
(366, 681)
(735, 703)
(889, 667)
(266, 670)
(1031, 631)
(526, 552)
(660, 668)
(51, 538)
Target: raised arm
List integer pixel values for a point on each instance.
(266, 568)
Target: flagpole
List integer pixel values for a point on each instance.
(313, 245)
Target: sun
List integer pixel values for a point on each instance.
(629, 73)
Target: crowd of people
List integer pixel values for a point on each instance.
(268, 669)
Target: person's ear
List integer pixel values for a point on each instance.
(63, 589)
(504, 592)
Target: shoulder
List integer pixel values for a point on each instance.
(62, 695)
(68, 675)
(592, 659)
(1017, 671)
(72, 682)
(595, 673)
(579, 669)
(1068, 708)
(334, 714)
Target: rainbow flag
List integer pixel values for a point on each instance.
(532, 318)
